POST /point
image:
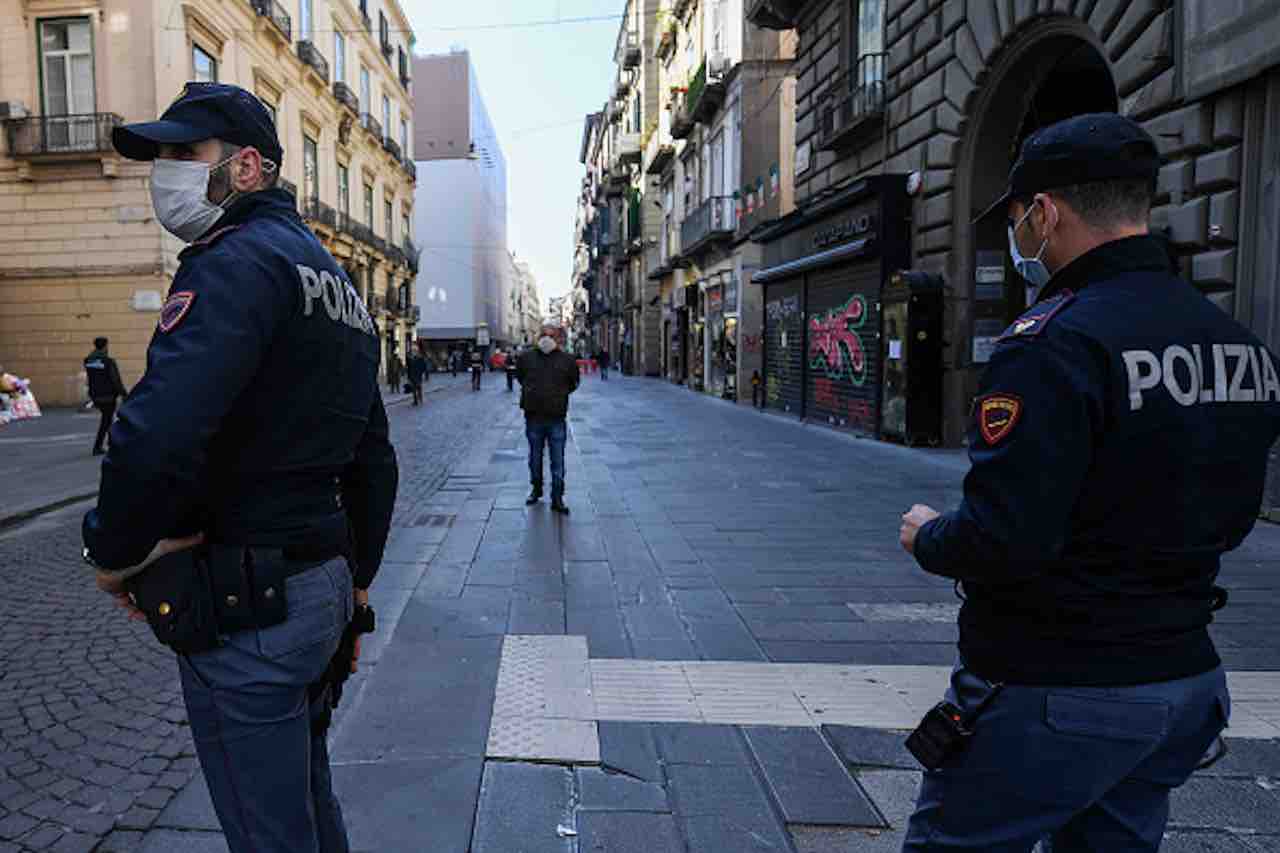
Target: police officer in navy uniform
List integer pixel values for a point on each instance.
(257, 432)
(1118, 446)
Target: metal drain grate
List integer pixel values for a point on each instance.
(434, 520)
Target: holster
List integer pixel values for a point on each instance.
(192, 598)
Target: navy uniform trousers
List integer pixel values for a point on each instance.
(247, 702)
(1087, 768)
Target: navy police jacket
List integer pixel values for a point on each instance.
(258, 420)
(1119, 446)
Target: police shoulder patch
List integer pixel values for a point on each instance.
(175, 309)
(998, 414)
(1036, 318)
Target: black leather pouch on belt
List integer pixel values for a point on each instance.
(248, 587)
(176, 595)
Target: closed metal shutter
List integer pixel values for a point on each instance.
(784, 345)
(843, 347)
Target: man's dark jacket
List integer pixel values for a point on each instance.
(546, 381)
(104, 378)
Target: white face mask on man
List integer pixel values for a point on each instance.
(1033, 270)
(180, 196)
(547, 344)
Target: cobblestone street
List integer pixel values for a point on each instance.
(718, 651)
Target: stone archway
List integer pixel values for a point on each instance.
(1050, 71)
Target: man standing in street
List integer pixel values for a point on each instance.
(477, 368)
(105, 388)
(417, 371)
(510, 366)
(394, 371)
(603, 361)
(248, 491)
(547, 375)
(1119, 445)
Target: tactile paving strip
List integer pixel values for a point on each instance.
(550, 696)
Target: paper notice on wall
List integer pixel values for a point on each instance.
(895, 349)
(982, 349)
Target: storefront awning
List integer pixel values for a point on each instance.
(821, 259)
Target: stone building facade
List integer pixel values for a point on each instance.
(81, 253)
(942, 93)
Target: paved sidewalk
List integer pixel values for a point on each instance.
(660, 671)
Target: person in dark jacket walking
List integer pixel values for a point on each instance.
(105, 388)
(510, 365)
(417, 374)
(476, 360)
(1119, 447)
(547, 375)
(603, 361)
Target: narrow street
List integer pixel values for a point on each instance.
(717, 651)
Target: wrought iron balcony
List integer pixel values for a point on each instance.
(346, 96)
(410, 168)
(412, 253)
(311, 55)
(627, 53)
(371, 124)
(378, 243)
(404, 68)
(619, 180)
(314, 210)
(714, 219)
(661, 159)
(853, 103)
(388, 49)
(706, 94)
(344, 223)
(391, 147)
(41, 136)
(276, 14)
(682, 120)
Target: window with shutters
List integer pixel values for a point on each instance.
(310, 168)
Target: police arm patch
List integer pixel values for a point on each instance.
(175, 309)
(998, 414)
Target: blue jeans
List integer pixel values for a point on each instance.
(1090, 768)
(541, 434)
(247, 701)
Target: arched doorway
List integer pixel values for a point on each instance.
(1053, 71)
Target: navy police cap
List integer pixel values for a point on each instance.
(1083, 149)
(204, 111)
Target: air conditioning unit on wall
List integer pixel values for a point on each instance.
(12, 109)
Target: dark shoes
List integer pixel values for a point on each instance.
(558, 506)
(534, 496)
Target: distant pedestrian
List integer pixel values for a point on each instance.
(417, 374)
(547, 375)
(454, 360)
(394, 371)
(477, 369)
(757, 390)
(602, 359)
(510, 366)
(105, 388)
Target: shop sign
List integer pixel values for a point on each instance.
(838, 232)
(715, 298)
(802, 159)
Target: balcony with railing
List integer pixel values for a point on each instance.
(410, 168)
(275, 14)
(627, 53)
(60, 137)
(391, 147)
(705, 96)
(853, 103)
(411, 253)
(314, 60)
(371, 124)
(314, 210)
(714, 219)
(627, 148)
(404, 67)
(346, 96)
(774, 14)
(682, 120)
(618, 180)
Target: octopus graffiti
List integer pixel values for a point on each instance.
(835, 345)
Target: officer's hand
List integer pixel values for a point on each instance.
(918, 516)
(361, 597)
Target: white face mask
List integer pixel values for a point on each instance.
(180, 196)
(1031, 269)
(547, 344)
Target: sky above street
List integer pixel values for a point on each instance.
(538, 83)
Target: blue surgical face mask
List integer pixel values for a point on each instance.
(1031, 269)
